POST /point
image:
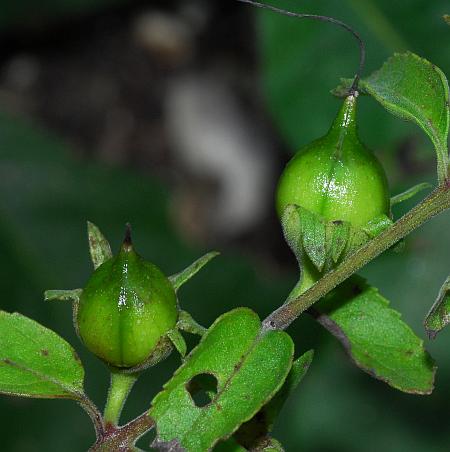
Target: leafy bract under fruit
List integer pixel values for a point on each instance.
(126, 309)
(335, 187)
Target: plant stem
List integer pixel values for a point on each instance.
(332, 20)
(124, 438)
(95, 415)
(120, 387)
(435, 203)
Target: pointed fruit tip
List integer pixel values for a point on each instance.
(127, 244)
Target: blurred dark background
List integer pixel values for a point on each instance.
(178, 116)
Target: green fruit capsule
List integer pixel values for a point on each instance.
(126, 309)
(337, 178)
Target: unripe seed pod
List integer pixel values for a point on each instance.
(126, 309)
(337, 178)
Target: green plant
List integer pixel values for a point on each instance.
(244, 367)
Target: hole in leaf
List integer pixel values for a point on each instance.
(202, 389)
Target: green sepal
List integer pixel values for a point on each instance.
(63, 295)
(439, 315)
(290, 222)
(187, 323)
(324, 242)
(178, 341)
(181, 278)
(377, 225)
(338, 234)
(305, 233)
(160, 353)
(313, 229)
(72, 296)
(375, 228)
(410, 193)
(99, 247)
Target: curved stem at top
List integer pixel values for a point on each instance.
(339, 23)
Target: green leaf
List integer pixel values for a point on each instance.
(36, 362)
(181, 278)
(408, 194)
(414, 89)
(376, 338)
(439, 315)
(99, 247)
(249, 364)
(299, 369)
(254, 433)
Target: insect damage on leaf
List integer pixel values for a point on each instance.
(236, 369)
